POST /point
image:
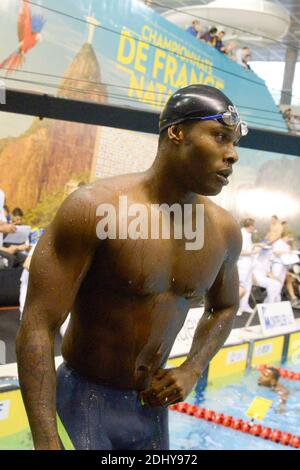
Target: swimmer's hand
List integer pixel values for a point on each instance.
(169, 386)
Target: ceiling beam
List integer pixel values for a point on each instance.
(47, 106)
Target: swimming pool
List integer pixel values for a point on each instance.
(190, 433)
(187, 432)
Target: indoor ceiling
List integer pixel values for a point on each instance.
(275, 51)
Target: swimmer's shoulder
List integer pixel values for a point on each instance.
(227, 224)
(78, 212)
(75, 219)
(109, 189)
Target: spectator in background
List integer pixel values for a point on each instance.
(243, 56)
(210, 36)
(292, 121)
(245, 265)
(230, 50)
(264, 278)
(286, 229)
(194, 28)
(292, 282)
(5, 228)
(14, 254)
(278, 268)
(7, 253)
(275, 230)
(17, 216)
(287, 114)
(219, 42)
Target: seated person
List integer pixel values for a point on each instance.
(269, 377)
(14, 253)
(17, 216)
(263, 277)
(275, 230)
(7, 253)
(245, 264)
(278, 268)
(292, 282)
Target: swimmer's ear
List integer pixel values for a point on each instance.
(175, 134)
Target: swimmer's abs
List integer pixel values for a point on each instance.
(110, 367)
(125, 381)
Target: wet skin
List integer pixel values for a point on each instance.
(134, 300)
(129, 298)
(267, 379)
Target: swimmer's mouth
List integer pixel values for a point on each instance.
(224, 174)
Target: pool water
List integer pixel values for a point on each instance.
(189, 433)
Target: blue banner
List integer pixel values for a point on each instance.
(121, 52)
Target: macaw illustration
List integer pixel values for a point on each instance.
(29, 34)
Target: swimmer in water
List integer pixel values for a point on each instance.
(269, 377)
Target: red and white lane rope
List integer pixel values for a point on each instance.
(248, 427)
(284, 373)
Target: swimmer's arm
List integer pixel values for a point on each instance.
(221, 306)
(283, 394)
(58, 266)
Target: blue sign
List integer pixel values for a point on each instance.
(141, 57)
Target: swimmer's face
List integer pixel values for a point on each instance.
(207, 152)
(266, 378)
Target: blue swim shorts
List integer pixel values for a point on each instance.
(99, 417)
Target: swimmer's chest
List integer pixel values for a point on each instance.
(147, 267)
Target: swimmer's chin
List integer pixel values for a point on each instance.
(210, 192)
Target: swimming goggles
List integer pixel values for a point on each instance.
(230, 117)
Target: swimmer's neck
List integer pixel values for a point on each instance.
(163, 183)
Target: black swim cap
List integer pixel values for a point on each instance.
(193, 101)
